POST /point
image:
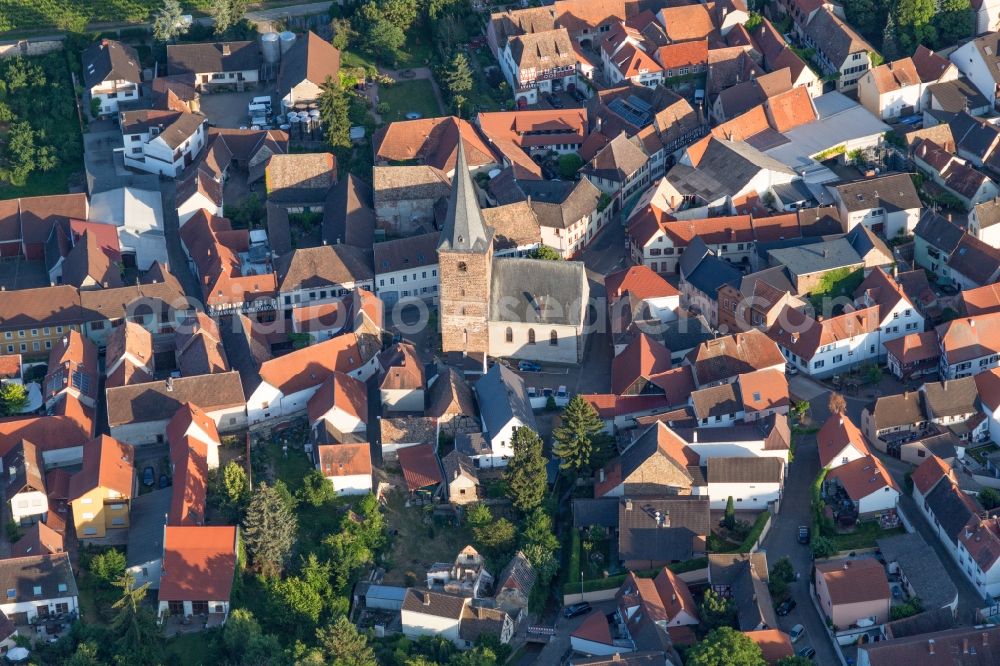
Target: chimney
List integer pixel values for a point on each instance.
(694, 436)
(841, 419)
(656, 516)
(226, 50)
(930, 645)
(600, 475)
(170, 384)
(628, 505)
(965, 646)
(427, 598)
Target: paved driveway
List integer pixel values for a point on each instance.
(782, 541)
(554, 650)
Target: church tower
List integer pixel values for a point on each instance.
(465, 262)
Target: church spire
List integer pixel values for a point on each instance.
(464, 229)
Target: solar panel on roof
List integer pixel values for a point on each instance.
(81, 382)
(632, 113)
(639, 103)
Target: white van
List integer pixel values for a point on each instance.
(264, 99)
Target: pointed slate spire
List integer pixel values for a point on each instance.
(464, 229)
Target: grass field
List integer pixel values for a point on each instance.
(200, 648)
(75, 14)
(405, 96)
(418, 544)
(863, 537)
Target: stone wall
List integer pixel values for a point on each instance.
(465, 300)
(29, 48)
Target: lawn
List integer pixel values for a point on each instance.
(315, 523)
(418, 542)
(405, 96)
(863, 537)
(839, 283)
(194, 649)
(980, 452)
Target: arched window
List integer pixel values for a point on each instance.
(462, 267)
(510, 334)
(531, 336)
(553, 338)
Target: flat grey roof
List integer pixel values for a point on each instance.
(840, 120)
(145, 531)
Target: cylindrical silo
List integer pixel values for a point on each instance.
(286, 39)
(269, 47)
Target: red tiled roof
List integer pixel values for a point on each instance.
(420, 466)
(337, 460)
(189, 458)
(790, 109)
(838, 433)
(342, 392)
(10, 366)
(774, 644)
(199, 563)
(928, 473)
(854, 581)
(970, 338)
(642, 358)
(763, 389)
(988, 386)
(594, 629)
(981, 300)
(862, 477)
(914, 347)
(311, 365)
(683, 54)
(640, 281)
(108, 464)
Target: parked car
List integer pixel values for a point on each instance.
(807, 652)
(554, 101)
(576, 610)
(796, 632)
(529, 366)
(561, 392)
(791, 370)
(786, 607)
(803, 534)
(148, 476)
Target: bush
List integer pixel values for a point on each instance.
(755, 532)
(107, 566)
(822, 546)
(382, 108)
(14, 532)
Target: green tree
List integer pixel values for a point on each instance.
(108, 566)
(716, 610)
(800, 410)
(910, 608)
(344, 645)
(343, 33)
(783, 570)
(246, 643)
(26, 152)
(168, 21)
(334, 109)
(295, 605)
(868, 16)
(237, 485)
(384, 23)
(457, 75)
(525, 474)
(134, 625)
(954, 21)
(913, 22)
(725, 647)
(13, 398)
(85, 655)
(794, 660)
(822, 546)
(540, 544)
(729, 518)
(545, 252)
(494, 535)
(227, 13)
(580, 432)
(989, 498)
(569, 165)
(316, 489)
(269, 529)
